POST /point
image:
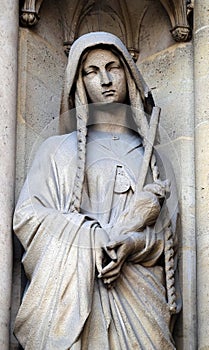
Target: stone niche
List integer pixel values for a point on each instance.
(157, 35)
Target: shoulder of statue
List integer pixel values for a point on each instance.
(59, 144)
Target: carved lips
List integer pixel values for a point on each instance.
(108, 92)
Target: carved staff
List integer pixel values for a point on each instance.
(149, 157)
(149, 143)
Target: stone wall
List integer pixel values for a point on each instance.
(201, 83)
(40, 78)
(8, 99)
(170, 75)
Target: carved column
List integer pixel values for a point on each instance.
(201, 76)
(8, 71)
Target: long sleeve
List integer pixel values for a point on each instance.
(58, 252)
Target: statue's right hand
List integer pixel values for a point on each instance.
(123, 246)
(101, 253)
(101, 238)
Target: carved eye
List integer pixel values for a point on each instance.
(90, 72)
(114, 67)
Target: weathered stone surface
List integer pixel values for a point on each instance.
(202, 227)
(41, 67)
(168, 70)
(40, 87)
(169, 74)
(181, 154)
(125, 215)
(8, 72)
(201, 59)
(154, 35)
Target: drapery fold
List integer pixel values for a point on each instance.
(65, 305)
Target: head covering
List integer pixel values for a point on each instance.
(74, 96)
(91, 40)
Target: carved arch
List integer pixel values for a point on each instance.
(75, 10)
(118, 11)
(83, 10)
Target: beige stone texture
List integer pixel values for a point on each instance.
(201, 76)
(202, 219)
(170, 76)
(168, 69)
(8, 72)
(154, 31)
(41, 68)
(39, 95)
(181, 153)
(49, 187)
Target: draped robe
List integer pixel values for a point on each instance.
(65, 305)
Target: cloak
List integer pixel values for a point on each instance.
(65, 305)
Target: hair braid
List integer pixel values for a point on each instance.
(80, 172)
(169, 269)
(82, 117)
(168, 249)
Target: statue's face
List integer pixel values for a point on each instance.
(104, 77)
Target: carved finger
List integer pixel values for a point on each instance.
(109, 281)
(99, 260)
(113, 245)
(112, 274)
(111, 253)
(113, 271)
(111, 266)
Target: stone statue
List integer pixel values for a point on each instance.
(100, 249)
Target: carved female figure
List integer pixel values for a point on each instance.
(94, 243)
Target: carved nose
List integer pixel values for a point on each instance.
(105, 78)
